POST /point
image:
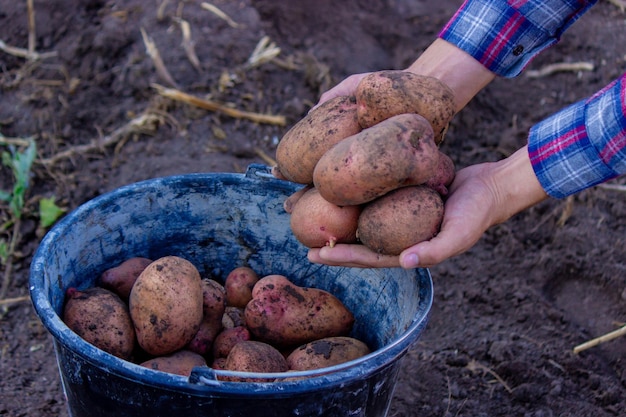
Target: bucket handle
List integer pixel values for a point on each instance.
(259, 171)
(204, 375)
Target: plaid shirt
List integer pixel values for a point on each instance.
(583, 144)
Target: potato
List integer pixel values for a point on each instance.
(284, 314)
(233, 317)
(383, 94)
(219, 363)
(213, 300)
(101, 318)
(228, 338)
(444, 175)
(291, 201)
(316, 222)
(121, 278)
(400, 219)
(397, 152)
(166, 305)
(213, 307)
(203, 341)
(238, 286)
(255, 356)
(301, 147)
(326, 352)
(180, 362)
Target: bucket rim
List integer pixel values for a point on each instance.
(205, 379)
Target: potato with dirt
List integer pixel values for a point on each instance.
(180, 362)
(101, 318)
(255, 356)
(166, 305)
(397, 152)
(384, 94)
(227, 339)
(326, 352)
(316, 222)
(286, 315)
(238, 286)
(121, 278)
(444, 175)
(301, 147)
(213, 307)
(401, 219)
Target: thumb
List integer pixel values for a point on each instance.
(448, 243)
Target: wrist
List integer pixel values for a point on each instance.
(515, 185)
(454, 67)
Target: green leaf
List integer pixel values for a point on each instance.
(4, 251)
(49, 212)
(20, 163)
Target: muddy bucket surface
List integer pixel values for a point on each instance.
(219, 221)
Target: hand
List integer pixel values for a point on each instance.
(347, 87)
(480, 196)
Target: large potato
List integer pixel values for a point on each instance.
(397, 152)
(316, 222)
(101, 318)
(255, 356)
(401, 219)
(166, 305)
(326, 352)
(301, 147)
(383, 94)
(284, 314)
(180, 362)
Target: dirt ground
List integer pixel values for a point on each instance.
(506, 314)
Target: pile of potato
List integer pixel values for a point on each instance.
(163, 315)
(372, 164)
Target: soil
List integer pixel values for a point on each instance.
(506, 314)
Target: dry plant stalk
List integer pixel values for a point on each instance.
(188, 44)
(265, 157)
(263, 52)
(154, 54)
(178, 95)
(601, 339)
(615, 187)
(560, 67)
(219, 13)
(474, 365)
(32, 37)
(138, 124)
(161, 10)
(14, 300)
(24, 53)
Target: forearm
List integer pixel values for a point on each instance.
(443, 60)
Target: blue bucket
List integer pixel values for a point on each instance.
(219, 221)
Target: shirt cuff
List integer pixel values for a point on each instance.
(505, 36)
(583, 144)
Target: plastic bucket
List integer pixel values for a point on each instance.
(219, 221)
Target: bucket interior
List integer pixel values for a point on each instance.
(218, 222)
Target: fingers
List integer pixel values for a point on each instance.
(356, 256)
(347, 87)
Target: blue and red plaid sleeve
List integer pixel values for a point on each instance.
(583, 144)
(505, 35)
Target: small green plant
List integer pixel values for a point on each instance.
(20, 163)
